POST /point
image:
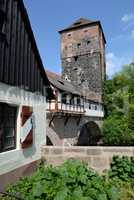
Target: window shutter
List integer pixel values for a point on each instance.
(27, 127)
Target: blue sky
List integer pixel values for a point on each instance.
(116, 16)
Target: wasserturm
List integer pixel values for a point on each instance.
(83, 56)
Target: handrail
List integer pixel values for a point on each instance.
(59, 106)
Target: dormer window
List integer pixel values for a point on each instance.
(77, 23)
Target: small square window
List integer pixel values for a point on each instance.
(88, 42)
(78, 45)
(75, 58)
(69, 35)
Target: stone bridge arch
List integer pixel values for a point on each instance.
(90, 134)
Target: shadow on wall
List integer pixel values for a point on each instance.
(66, 127)
(29, 152)
(90, 135)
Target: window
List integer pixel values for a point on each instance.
(77, 23)
(78, 45)
(92, 107)
(64, 98)
(88, 42)
(78, 101)
(69, 35)
(75, 58)
(72, 101)
(8, 116)
(96, 107)
(89, 106)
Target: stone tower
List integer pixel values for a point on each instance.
(83, 56)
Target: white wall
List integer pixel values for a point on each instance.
(92, 112)
(16, 158)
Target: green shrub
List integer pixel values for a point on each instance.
(116, 132)
(122, 168)
(71, 181)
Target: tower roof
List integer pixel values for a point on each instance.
(79, 22)
(82, 22)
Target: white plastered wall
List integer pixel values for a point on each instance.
(16, 158)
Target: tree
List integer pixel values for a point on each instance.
(118, 127)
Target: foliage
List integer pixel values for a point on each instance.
(122, 168)
(119, 108)
(121, 174)
(116, 132)
(71, 181)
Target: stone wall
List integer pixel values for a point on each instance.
(84, 72)
(98, 158)
(83, 58)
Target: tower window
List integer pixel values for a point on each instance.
(85, 31)
(69, 35)
(88, 42)
(75, 58)
(78, 101)
(82, 81)
(78, 45)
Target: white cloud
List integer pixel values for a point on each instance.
(127, 17)
(115, 64)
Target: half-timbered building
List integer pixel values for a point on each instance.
(24, 87)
